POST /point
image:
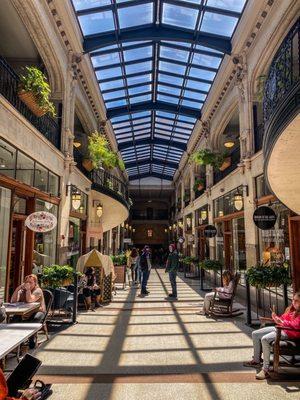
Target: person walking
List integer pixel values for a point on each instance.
(145, 266)
(132, 261)
(172, 268)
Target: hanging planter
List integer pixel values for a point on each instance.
(198, 185)
(226, 163)
(34, 91)
(88, 164)
(262, 276)
(208, 157)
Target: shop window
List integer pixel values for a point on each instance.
(5, 201)
(41, 178)
(74, 240)
(239, 247)
(25, 169)
(220, 243)
(45, 243)
(53, 187)
(19, 205)
(7, 159)
(230, 203)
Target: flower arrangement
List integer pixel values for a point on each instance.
(35, 92)
(262, 276)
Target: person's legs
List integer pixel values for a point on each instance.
(144, 282)
(207, 299)
(128, 273)
(87, 298)
(257, 337)
(97, 297)
(172, 277)
(36, 318)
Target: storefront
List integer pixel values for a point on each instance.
(189, 237)
(77, 225)
(25, 187)
(229, 221)
(201, 223)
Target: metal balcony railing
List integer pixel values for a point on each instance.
(9, 83)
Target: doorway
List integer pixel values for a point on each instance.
(294, 229)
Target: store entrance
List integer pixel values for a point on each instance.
(295, 250)
(17, 253)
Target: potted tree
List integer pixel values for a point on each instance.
(34, 91)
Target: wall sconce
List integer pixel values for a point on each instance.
(170, 227)
(122, 225)
(130, 227)
(76, 200)
(188, 221)
(126, 226)
(203, 215)
(133, 230)
(174, 226)
(80, 209)
(221, 214)
(238, 202)
(166, 230)
(48, 205)
(99, 210)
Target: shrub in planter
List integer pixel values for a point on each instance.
(262, 276)
(55, 276)
(119, 259)
(213, 265)
(35, 92)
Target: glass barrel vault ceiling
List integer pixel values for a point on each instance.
(155, 62)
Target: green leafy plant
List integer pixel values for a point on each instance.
(100, 153)
(198, 182)
(190, 260)
(208, 157)
(34, 81)
(57, 275)
(119, 259)
(262, 276)
(213, 265)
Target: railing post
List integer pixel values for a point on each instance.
(248, 302)
(285, 296)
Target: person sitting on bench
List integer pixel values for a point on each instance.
(224, 292)
(264, 337)
(32, 394)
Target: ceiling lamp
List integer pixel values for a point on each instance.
(76, 200)
(229, 144)
(238, 202)
(99, 210)
(76, 143)
(2, 163)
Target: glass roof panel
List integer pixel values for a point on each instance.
(179, 16)
(97, 22)
(126, 69)
(137, 15)
(218, 24)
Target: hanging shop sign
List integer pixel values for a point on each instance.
(181, 239)
(41, 221)
(210, 231)
(264, 218)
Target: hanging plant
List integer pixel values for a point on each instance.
(100, 153)
(213, 265)
(262, 276)
(208, 157)
(35, 92)
(199, 184)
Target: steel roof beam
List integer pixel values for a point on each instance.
(155, 161)
(149, 141)
(148, 174)
(149, 105)
(156, 33)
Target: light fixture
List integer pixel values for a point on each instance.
(2, 163)
(188, 221)
(221, 214)
(229, 144)
(174, 226)
(122, 225)
(48, 205)
(126, 226)
(99, 210)
(238, 202)
(203, 215)
(130, 227)
(133, 230)
(170, 227)
(166, 230)
(81, 209)
(76, 200)
(76, 143)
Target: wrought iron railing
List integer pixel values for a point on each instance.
(235, 159)
(104, 181)
(9, 83)
(283, 74)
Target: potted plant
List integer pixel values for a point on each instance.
(55, 276)
(226, 162)
(199, 184)
(119, 259)
(262, 276)
(208, 157)
(213, 265)
(34, 91)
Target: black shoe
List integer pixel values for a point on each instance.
(170, 295)
(32, 342)
(147, 292)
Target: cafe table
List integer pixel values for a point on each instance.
(13, 335)
(20, 309)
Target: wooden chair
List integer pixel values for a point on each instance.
(224, 307)
(48, 297)
(283, 347)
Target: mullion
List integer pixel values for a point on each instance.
(179, 120)
(187, 131)
(201, 7)
(210, 53)
(116, 78)
(126, 63)
(172, 85)
(110, 7)
(170, 128)
(136, 85)
(183, 76)
(128, 97)
(136, 130)
(125, 48)
(185, 64)
(179, 97)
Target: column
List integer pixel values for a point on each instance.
(182, 194)
(192, 182)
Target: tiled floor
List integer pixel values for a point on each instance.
(150, 348)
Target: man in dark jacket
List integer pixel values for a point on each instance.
(145, 264)
(172, 268)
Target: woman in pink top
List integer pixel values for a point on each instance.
(264, 337)
(224, 292)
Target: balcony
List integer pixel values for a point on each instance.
(9, 82)
(235, 159)
(104, 182)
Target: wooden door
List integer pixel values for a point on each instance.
(294, 228)
(17, 254)
(228, 259)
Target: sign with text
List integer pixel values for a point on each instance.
(41, 221)
(181, 239)
(210, 231)
(264, 218)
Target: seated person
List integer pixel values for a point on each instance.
(224, 292)
(30, 292)
(32, 394)
(90, 287)
(263, 338)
